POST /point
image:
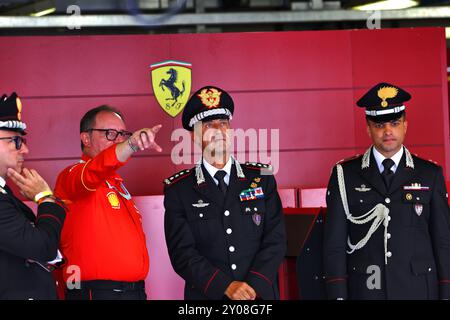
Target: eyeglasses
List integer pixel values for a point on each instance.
(111, 134)
(18, 140)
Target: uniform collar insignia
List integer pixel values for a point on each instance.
(201, 177)
(3, 190)
(365, 163)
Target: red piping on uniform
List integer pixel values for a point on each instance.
(90, 294)
(210, 279)
(261, 275)
(444, 281)
(49, 215)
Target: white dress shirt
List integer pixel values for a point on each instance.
(212, 170)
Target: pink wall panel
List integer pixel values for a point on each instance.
(288, 198)
(313, 198)
(162, 282)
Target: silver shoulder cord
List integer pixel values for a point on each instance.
(379, 214)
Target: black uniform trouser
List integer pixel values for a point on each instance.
(108, 290)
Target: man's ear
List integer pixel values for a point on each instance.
(85, 139)
(368, 130)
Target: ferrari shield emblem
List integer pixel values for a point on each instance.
(171, 82)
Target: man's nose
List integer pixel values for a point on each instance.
(388, 129)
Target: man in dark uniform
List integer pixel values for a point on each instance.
(223, 222)
(27, 242)
(387, 231)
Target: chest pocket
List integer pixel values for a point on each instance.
(362, 201)
(205, 224)
(198, 214)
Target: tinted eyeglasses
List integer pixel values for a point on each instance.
(111, 134)
(18, 140)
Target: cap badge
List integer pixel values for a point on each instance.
(210, 97)
(19, 108)
(386, 93)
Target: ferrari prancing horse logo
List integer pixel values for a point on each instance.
(171, 82)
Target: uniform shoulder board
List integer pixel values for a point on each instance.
(258, 166)
(348, 159)
(177, 177)
(429, 160)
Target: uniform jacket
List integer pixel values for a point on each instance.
(213, 240)
(25, 237)
(415, 263)
(103, 232)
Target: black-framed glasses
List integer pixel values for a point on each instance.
(111, 134)
(18, 140)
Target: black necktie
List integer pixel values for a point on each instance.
(387, 173)
(222, 185)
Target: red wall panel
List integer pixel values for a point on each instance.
(303, 83)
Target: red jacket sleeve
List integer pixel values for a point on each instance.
(82, 178)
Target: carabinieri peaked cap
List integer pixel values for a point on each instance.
(207, 103)
(10, 114)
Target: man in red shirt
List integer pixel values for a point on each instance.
(102, 239)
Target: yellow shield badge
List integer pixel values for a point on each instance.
(171, 82)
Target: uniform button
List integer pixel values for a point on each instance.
(388, 235)
(229, 231)
(226, 213)
(429, 269)
(361, 200)
(388, 254)
(201, 215)
(387, 200)
(231, 248)
(233, 266)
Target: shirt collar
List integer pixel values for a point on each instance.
(2, 182)
(213, 170)
(379, 159)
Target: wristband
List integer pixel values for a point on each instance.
(42, 194)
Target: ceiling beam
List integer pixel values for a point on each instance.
(235, 18)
